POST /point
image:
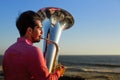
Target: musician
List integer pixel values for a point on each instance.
(24, 61)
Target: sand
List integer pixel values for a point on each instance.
(84, 75)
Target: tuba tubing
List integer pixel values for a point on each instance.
(56, 53)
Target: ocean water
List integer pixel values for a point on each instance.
(93, 63)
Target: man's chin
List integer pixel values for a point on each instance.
(36, 41)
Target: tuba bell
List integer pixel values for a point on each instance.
(54, 21)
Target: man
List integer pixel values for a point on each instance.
(22, 60)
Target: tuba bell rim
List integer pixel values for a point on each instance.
(55, 12)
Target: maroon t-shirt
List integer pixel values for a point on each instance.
(23, 61)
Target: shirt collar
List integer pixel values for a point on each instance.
(22, 39)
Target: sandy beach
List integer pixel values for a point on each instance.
(83, 75)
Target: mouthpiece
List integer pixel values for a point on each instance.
(49, 41)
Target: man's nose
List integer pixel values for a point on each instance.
(41, 31)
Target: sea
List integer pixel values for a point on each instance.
(91, 63)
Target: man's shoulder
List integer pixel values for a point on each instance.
(35, 49)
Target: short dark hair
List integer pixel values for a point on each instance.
(25, 20)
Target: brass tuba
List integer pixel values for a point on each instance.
(54, 21)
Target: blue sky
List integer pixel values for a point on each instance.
(96, 29)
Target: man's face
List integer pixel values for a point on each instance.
(37, 32)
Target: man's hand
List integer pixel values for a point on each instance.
(61, 68)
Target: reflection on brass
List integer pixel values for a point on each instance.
(54, 21)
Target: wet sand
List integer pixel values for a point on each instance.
(91, 76)
(83, 75)
(86, 76)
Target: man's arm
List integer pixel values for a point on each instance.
(38, 69)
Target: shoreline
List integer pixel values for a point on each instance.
(79, 74)
(90, 75)
(84, 75)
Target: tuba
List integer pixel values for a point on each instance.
(54, 21)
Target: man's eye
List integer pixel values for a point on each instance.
(40, 28)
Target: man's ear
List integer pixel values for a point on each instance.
(29, 30)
